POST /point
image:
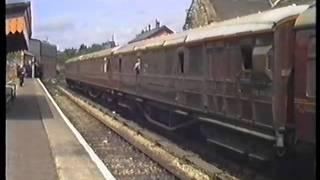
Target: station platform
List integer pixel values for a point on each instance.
(40, 145)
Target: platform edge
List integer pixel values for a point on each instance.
(97, 161)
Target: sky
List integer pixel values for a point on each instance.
(69, 23)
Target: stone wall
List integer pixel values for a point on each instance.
(200, 13)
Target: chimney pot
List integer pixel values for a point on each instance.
(157, 24)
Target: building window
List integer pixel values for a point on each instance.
(270, 60)
(311, 68)
(181, 62)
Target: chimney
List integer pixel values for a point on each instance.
(112, 37)
(157, 24)
(149, 27)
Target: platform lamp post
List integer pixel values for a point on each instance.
(32, 66)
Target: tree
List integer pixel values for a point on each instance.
(82, 49)
(70, 52)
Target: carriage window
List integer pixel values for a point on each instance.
(104, 65)
(270, 60)
(246, 52)
(120, 63)
(108, 64)
(181, 62)
(311, 69)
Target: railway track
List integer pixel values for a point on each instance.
(123, 159)
(189, 152)
(126, 151)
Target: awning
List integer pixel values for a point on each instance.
(17, 35)
(15, 25)
(18, 26)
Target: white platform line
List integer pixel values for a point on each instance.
(101, 166)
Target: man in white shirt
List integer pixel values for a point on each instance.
(137, 66)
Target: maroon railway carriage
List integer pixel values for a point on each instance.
(304, 77)
(234, 78)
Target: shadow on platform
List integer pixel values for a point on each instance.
(27, 107)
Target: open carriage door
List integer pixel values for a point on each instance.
(179, 73)
(107, 70)
(138, 70)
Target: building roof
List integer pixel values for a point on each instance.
(151, 33)
(17, 4)
(20, 10)
(96, 54)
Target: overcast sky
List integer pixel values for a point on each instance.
(69, 23)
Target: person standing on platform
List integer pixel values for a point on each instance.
(21, 74)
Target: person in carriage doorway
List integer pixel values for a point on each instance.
(21, 74)
(137, 66)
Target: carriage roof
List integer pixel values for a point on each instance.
(307, 18)
(261, 21)
(93, 55)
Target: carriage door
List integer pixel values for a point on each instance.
(179, 71)
(78, 70)
(106, 70)
(105, 65)
(261, 81)
(217, 69)
(305, 85)
(138, 68)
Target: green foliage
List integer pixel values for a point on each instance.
(68, 53)
(14, 56)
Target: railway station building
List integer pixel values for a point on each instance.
(151, 33)
(35, 54)
(18, 34)
(18, 29)
(45, 56)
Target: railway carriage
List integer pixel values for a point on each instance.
(304, 78)
(237, 79)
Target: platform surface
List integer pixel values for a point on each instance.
(39, 144)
